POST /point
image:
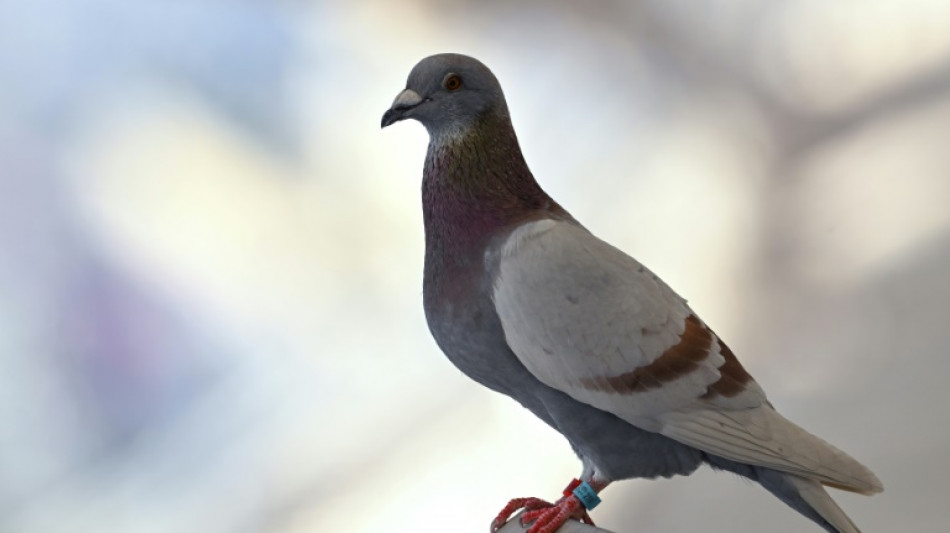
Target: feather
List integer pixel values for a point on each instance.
(590, 321)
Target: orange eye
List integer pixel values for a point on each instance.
(452, 82)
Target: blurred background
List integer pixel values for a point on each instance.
(210, 255)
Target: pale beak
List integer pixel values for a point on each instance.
(404, 101)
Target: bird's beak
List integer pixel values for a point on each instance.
(404, 101)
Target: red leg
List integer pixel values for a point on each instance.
(546, 517)
(529, 504)
(550, 519)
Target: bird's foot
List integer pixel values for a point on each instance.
(546, 517)
(528, 504)
(550, 519)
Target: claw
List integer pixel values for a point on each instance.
(544, 517)
(529, 504)
(550, 519)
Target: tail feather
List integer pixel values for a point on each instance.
(815, 495)
(807, 496)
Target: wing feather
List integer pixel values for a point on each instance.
(587, 319)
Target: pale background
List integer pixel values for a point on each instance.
(210, 255)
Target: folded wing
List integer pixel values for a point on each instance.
(589, 320)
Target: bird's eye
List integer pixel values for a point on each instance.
(452, 82)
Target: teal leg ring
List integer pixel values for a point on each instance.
(587, 496)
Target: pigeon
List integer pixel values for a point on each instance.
(526, 301)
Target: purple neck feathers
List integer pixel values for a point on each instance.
(476, 186)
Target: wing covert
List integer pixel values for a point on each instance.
(591, 321)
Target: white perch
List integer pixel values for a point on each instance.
(571, 526)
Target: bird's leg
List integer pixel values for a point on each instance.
(528, 504)
(546, 517)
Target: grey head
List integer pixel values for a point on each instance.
(447, 93)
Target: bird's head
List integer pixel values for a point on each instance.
(447, 93)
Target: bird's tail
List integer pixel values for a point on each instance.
(815, 495)
(807, 496)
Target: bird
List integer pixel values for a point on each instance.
(525, 300)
